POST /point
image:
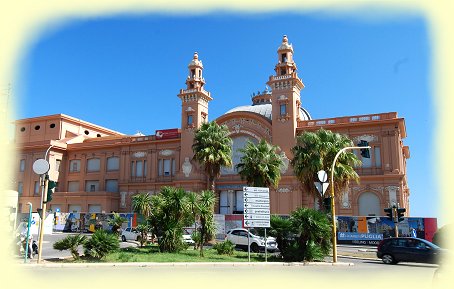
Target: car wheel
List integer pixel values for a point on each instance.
(388, 259)
(254, 247)
(123, 238)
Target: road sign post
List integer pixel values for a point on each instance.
(256, 211)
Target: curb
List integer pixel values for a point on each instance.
(193, 264)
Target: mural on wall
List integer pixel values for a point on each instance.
(360, 230)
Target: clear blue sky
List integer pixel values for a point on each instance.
(124, 72)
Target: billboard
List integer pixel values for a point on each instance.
(360, 230)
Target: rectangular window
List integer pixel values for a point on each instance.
(57, 165)
(22, 166)
(112, 186)
(73, 186)
(92, 186)
(20, 188)
(167, 167)
(113, 164)
(139, 168)
(189, 120)
(367, 162)
(282, 71)
(37, 187)
(224, 203)
(283, 109)
(239, 201)
(160, 167)
(74, 166)
(93, 165)
(377, 157)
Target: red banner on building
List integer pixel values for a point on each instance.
(167, 133)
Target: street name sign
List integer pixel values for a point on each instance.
(256, 207)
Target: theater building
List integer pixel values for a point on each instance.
(99, 169)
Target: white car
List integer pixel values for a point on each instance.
(239, 237)
(187, 237)
(132, 234)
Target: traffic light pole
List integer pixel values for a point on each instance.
(43, 218)
(333, 207)
(43, 206)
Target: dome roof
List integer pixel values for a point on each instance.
(262, 109)
(265, 110)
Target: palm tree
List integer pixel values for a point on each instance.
(71, 243)
(141, 203)
(313, 230)
(192, 202)
(116, 222)
(260, 164)
(143, 229)
(315, 151)
(170, 213)
(212, 149)
(205, 207)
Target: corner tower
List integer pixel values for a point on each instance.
(286, 104)
(194, 107)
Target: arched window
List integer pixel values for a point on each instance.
(238, 143)
(369, 204)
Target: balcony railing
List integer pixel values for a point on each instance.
(347, 119)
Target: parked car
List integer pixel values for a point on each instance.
(239, 237)
(188, 239)
(132, 234)
(405, 249)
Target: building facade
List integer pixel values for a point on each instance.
(99, 170)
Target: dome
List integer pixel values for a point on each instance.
(265, 110)
(262, 109)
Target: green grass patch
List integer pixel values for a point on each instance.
(152, 254)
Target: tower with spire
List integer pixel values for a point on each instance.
(286, 87)
(194, 106)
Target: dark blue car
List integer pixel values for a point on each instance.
(403, 249)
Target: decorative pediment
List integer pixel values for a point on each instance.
(166, 153)
(366, 137)
(139, 154)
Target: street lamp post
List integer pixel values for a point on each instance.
(333, 209)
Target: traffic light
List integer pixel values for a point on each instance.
(327, 204)
(40, 212)
(400, 214)
(364, 152)
(389, 213)
(51, 185)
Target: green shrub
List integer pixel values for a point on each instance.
(100, 244)
(224, 248)
(71, 243)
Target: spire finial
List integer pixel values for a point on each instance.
(285, 39)
(196, 55)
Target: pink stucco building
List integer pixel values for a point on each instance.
(99, 169)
